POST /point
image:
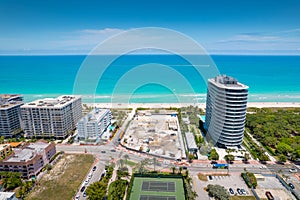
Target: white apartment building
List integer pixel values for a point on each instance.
(51, 117)
(226, 106)
(93, 124)
(10, 114)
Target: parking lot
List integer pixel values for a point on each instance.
(93, 176)
(233, 181)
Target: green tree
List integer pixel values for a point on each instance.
(96, 191)
(117, 189)
(284, 148)
(229, 158)
(173, 169)
(282, 158)
(154, 161)
(218, 192)
(190, 157)
(246, 157)
(11, 180)
(121, 163)
(213, 155)
(263, 157)
(126, 157)
(180, 170)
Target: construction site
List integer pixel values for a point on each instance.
(157, 133)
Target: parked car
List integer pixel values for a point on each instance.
(269, 195)
(231, 191)
(103, 151)
(213, 162)
(82, 189)
(77, 197)
(209, 177)
(243, 191)
(293, 170)
(113, 150)
(84, 194)
(291, 186)
(94, 168)
(239, 191)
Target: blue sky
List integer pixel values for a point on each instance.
(75, 27)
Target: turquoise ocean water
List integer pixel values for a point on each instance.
(270, 78)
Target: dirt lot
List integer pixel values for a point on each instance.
(156, 134)
(272, 185)
(64, 179)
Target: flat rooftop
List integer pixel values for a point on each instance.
(3, 146)
(10, 100)
(95, 115)
(190, 139)
(26, 154)
(9, 97)
(6, 195)
(228, 82)
(58, 102)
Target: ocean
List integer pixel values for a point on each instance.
(148, 78)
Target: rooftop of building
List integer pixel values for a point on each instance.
(6, 195)
(15, 144)
(58, 102)
(95, 115)
(190, 139)
(228, 82)
(29, 152)
(4, 146)
(10, 96)
(10, 100)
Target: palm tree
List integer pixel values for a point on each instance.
(187, 173)
(180, 170)
(173, 169)
(121, 163)
(142, 164)
(154, 163)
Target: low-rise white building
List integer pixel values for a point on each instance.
(8, 196)
(93, 124)
(190, 142)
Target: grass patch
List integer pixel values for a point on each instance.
(131, 163)
(64, 179)
(242, 198)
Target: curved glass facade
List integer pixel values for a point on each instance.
(226, 106)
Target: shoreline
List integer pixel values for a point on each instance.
(200, 105)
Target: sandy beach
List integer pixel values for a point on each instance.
(200, 105)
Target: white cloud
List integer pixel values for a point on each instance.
(109, 31)
(84, 39)
(286, 41)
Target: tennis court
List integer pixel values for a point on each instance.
(157, 189)
(158, 186)
(154, 197)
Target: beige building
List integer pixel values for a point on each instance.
(5, 150)
(30, 159)
(51, 117)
